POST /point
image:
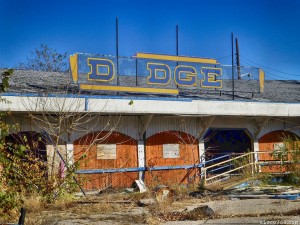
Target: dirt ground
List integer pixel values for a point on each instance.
(125, 208)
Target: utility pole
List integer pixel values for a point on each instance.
(232, 70)
(177, 48)
(238, 58)
(117, 48)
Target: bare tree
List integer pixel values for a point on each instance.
(46, 59)
(60, 117)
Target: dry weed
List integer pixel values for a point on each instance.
(10, 217)
(34, 203)
(153, 220)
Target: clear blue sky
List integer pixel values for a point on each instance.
(268, 30)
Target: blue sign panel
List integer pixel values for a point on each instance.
(146, 73)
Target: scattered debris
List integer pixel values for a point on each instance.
(253, 190)
(140, 185)
(163, 194)
(288, 196)
(245, 196)
(129, 190)
(146, 202)
(247, 184)
(201, 212)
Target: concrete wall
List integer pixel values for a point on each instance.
(146, 106)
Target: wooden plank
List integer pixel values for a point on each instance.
(189, 155)
(126, 157)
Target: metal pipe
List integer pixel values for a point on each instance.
(232, 62)
(177, 46)
(238, 58)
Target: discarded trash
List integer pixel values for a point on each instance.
(129, 190)
(277, 180)
(275, 188)
(163, 193)
(248, 184)
(140, 185)
(258, 192)
(287, 196)
(242, 185)
(146, 202)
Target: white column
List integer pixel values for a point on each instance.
(50, 154)
(201, 151)
(141, 158)
(201, 156)
(256, 149)
(70, 154)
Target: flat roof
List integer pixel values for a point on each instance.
(41, 82)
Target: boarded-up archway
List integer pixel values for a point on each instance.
(270, 142)
(171, 148)
(106, 150)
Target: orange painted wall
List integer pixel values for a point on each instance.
(189, 155)
(266, 144)
(126, 156)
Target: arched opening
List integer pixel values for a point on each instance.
(33, 141)
(106, 151)
(27, 156)
(41, 146)
(218, 142)
(170, 149)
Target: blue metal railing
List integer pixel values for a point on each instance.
(156, 168)
(137, 169)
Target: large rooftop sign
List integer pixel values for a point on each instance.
(146, 73)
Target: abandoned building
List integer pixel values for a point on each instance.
(156, 118)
